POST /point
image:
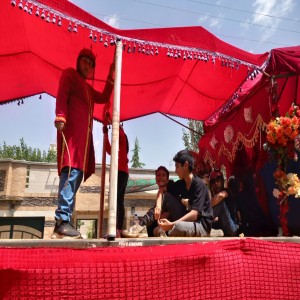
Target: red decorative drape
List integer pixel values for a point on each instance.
(36, 52)
(243, 125)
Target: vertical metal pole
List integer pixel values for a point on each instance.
(112, 212)
(102, 194)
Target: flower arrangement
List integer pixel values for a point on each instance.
(282, 141)
(289, 184)
(281, 133)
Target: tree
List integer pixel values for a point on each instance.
(27, 153)
(51, 155)
(135, 160)
(191, 137)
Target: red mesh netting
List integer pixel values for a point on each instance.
(234, 269)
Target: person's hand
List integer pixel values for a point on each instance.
(108, 118)
(185, 202)
(105, 129)
(165, 224)
(157, 212)
(106, 115)
(60, 126)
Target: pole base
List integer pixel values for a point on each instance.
(111, 237)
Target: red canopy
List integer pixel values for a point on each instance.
(244, 125)
(37, 50)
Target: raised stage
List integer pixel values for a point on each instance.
(151, 268)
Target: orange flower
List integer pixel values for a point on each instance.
(281, 133)
(271, 139)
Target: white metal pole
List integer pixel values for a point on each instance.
(112, 198)
(102, 192)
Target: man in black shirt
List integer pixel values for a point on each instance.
(186, 218)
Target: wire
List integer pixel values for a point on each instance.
(127, 19)
(220, 35)
(187, 127)
(246, 11)
(162, 25)
(251, 40)
(222, 18)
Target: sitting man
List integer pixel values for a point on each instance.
(150, 218)
(224, 208)
(195, 218)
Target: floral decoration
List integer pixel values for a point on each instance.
(281, 133)
(289, 185)
(282, 140)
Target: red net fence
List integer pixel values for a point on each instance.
(230, 269)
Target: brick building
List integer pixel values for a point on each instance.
(28, 193)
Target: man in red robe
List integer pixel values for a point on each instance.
(74, 122)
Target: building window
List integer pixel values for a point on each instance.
(27, 176)
(2, 180)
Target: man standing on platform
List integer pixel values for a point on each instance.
(74, 122)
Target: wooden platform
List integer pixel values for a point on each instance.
(129, 242)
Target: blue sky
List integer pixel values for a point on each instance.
(255, 26)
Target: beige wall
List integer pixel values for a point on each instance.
(30, 189)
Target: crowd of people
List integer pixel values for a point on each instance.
(193, 206)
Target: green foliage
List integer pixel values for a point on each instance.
(135, 160)
(191, 137)
(80, 223)
(23, 152)
(50, 156)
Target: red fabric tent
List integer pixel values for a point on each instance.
(214, 83)
(227, 131)
(37, 50)
(234, 138)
